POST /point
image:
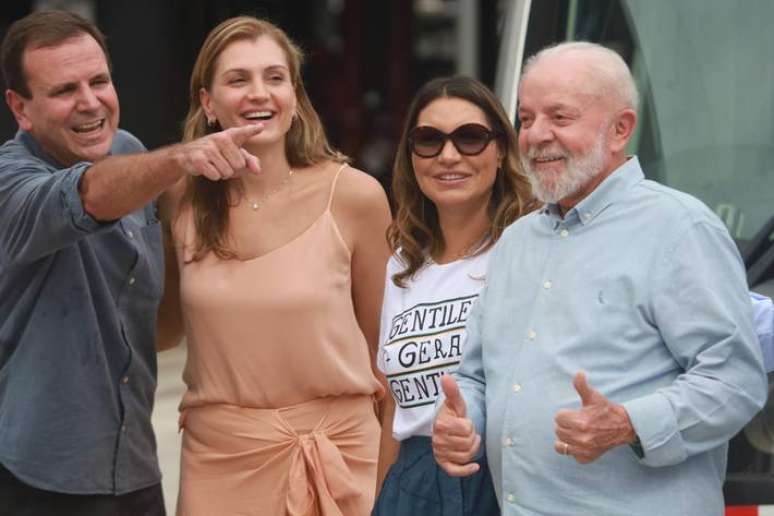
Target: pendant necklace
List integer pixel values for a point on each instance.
(258, 203)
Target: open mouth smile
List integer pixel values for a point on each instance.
(258, 116)
(90, 127)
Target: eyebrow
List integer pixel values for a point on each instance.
(564, 107)
(552, 108)
(64, 86)
(57, 88)
(269, 68)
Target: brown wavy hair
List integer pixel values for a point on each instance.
(415, 232)
(305, 142)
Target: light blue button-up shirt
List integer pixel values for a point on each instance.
(641, 287)
(764, 326)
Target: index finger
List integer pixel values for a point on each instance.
(459, 470)
(240, 135)
(565, 418)
(252, 163)
(452, 425)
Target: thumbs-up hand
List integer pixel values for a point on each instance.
(595, 428)
(455, 441)
(219, 155)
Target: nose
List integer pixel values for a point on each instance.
(449, 153)
(537, 134)
(257, 90)
(87, 99)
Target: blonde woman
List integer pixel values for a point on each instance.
(280, 288)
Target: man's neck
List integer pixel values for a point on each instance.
(571, 201)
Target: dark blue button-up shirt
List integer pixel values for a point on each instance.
(78, 302)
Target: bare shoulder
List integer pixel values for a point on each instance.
(357, 192)
(360, 207)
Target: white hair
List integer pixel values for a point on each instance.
(610, 75)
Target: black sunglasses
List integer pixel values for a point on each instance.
(468, 139)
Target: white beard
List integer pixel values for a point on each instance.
(551, 187)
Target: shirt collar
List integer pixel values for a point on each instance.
(32, 145)
(29, 141)
(606, 193)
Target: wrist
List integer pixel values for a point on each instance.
(628, 434)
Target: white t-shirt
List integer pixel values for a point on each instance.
(422, 335)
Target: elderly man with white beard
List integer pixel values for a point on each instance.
(612, 353)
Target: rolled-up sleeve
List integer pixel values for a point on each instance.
(702, 309)
(41, 210)
(764, 327)
(73, 203)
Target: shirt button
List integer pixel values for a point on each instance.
(586, 216)
(511, 498)
(131, 280)
(125, 379)
(516, 387)
(123, 428)
(563, 233)
(508, 442)
(547, 285)
(130, 234)
(531, 334)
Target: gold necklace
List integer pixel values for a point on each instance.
(258, 204)
(468, 250)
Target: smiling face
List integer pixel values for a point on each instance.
(564, 136)
(73, 110)
(251, 83)
(452, 180)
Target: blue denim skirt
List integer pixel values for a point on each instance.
(416, 486)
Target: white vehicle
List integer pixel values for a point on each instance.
(706, 126)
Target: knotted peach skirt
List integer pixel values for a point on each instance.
(316, 458)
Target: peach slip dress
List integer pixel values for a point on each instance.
(278, 417)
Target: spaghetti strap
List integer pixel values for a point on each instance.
(333, 185)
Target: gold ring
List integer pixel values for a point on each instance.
(566, 449)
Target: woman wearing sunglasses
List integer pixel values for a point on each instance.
(457, 184)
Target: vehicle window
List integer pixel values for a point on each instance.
(705, 75)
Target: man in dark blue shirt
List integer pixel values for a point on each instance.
(81, 275)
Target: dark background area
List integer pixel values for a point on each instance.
(364, 60)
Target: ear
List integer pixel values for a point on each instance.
(206, 101)
(17, 105)
(622, 129)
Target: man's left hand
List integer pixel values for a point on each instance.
(598, 426)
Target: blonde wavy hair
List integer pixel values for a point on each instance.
(415, 233)
(305, 142)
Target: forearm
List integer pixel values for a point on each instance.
(473, 391)
(683, 420)
(702, 308)
(119, 185)
(470, 373)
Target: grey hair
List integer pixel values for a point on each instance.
(611, 73)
